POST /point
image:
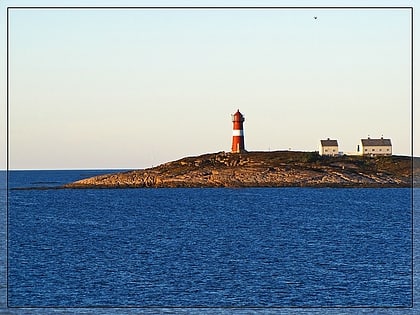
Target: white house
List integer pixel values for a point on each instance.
(375, 147)
(328, 147)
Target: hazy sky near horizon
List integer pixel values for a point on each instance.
(132, 88)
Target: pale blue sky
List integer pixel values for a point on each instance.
(135, 88)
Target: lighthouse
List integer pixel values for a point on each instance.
(238, 143)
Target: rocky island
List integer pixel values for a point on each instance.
(264, 169)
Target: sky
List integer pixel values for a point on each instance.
(134, 88)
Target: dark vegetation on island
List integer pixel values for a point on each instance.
(266, 169)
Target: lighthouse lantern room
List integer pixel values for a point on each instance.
(238, 143)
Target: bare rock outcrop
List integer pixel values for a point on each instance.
(263, 169)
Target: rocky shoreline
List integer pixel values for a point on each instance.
(264, 169)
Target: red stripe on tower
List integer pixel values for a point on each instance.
(238, 143)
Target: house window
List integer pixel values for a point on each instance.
(387, 149)
(365, 150)
(373, 150)
(380, 149)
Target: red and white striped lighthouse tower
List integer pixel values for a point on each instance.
(238, 143)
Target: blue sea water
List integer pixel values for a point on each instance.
(262, 247)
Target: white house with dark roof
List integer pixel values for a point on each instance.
(375, 147)
(328, 147)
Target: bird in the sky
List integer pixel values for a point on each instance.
(315, 17)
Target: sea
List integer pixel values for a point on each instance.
(205, 248)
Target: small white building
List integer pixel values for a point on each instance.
(374, 147)
(328, 147)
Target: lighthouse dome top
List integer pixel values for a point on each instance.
(238, 116)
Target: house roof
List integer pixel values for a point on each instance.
(376, 142)
(329, 143)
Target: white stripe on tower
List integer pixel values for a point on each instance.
(238, 133)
